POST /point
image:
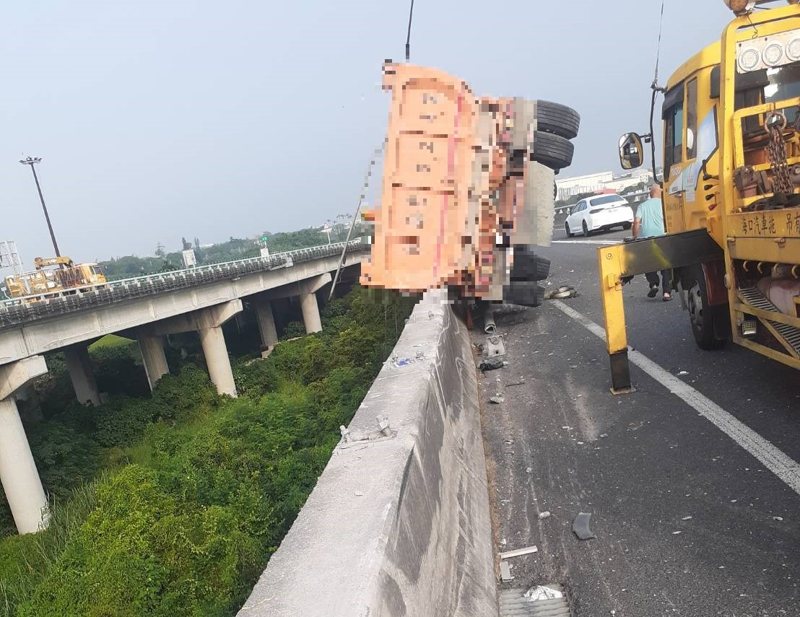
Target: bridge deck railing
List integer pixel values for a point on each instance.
(30, 308)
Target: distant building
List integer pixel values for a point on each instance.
(602, 182)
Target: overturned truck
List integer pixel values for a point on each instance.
(468, 189)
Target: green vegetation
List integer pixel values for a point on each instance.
(171, 504)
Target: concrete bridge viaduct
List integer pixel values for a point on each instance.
(147, 309)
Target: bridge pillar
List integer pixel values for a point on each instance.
(81, 375)
(310, 308)
(18, 473)
(266, 323)
(153, 356)
(217, 360)
(208, 323)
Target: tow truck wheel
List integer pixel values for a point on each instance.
(704, 318)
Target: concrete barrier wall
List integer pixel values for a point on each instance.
(397, 525)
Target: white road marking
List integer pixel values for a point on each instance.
(783, 466)
(601, 242)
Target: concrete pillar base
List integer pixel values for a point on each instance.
(81, 375)
(310, 308)
(266, 324)
(217, 360)
(153, 357)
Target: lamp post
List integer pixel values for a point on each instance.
(31, 161)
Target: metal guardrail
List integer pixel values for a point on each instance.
(30, 308)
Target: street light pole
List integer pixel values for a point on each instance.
(31, 161)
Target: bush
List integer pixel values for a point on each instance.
(141, 551)
(198, 490)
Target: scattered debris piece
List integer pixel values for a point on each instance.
(528, 469)
(351, 438)
(359, 494)
(565, 291)
(543, 592)
(494, 347)
(544, 515)
(777, 518)
(516, 383)
(686, 518)
(683, 373)
(675, 533)
(519, 552)
(490, 364)
(497, 399)
(505, 572)
(580, 526)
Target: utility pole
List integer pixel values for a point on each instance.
(33, 161)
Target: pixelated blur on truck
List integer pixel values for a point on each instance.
(468, 189)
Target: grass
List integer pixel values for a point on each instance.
(111, 341)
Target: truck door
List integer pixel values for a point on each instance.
(674, 163)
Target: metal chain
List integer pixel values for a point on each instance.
(776, 149)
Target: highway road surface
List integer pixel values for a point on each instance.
(693, 496)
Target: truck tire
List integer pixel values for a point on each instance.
(552, 151)
(557, 119)
(706, 320)
(528, 266)
(523, 293)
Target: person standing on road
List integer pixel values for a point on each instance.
(649, 223)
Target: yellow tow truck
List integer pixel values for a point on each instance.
(731, 126)
(46, 279)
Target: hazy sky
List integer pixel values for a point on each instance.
(157, 120)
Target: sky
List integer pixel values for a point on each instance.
(208, 119)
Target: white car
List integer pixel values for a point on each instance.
(599, 212)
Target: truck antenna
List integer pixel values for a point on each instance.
(408, 35)
(656, 89)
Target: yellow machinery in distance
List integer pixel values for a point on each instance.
(731, 119)
(44, 280)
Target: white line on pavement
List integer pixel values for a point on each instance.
(783, 466)
(603, 242)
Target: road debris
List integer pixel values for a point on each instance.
(497, 399)
(505, 572)
(565, 291)
(400, 362)
(519, 552)
(686, 518)
(777, 518)
(351, 438)
(580, 526)
(543, 592)
(491, 364)
(544, 515)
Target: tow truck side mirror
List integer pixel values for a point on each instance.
(631, 153)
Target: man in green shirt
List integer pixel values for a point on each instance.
(649, 223)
